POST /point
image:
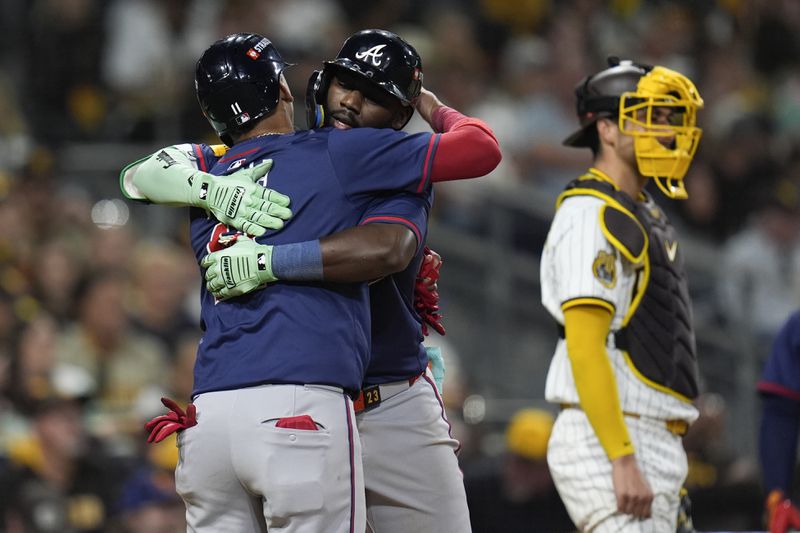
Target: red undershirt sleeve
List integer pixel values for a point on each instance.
(467, 146)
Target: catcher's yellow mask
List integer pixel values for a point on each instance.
(661, 115)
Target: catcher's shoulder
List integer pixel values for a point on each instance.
(624, 231)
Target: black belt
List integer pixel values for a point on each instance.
(371, 397)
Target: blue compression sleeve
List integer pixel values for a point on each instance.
(777, 446)
(300, 261)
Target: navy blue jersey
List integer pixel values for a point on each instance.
(294, 332)
(780, 416)
(397, 351)
(782, 372)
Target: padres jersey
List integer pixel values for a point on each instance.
(580, 264)
(291, 332)
(397, 350)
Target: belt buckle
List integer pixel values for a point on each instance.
(368, 398)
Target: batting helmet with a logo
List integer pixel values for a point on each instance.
(380, 56)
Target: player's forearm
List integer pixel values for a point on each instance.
(777, 447)
(367, 252)
(428, 105)
(165, 177)
(354, 255)
(586, 328)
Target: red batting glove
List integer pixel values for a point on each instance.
(782, 514)
(426, 295)
(163, 426)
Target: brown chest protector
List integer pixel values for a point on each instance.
(657, 332)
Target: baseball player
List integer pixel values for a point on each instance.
(624, 371)
(779, 388)
(411, 471)
(228, 266)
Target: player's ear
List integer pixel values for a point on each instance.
(606, 131)
(401, 117)
(286, 93)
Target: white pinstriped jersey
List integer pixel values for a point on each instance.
(576, 264)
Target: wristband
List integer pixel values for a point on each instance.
(300, 261)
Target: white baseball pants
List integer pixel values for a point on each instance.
(411, 472)
(239, 470)
(582, 474)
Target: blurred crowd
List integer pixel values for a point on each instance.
(99, 315)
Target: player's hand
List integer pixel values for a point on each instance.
(782, 514)
(426, 103)
(238, 201)
(634, 496)
(429, 269)
(177, 419)
(238, 269)
(426, 294)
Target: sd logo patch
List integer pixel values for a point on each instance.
(604, 269)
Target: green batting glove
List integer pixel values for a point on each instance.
(238, 201)
(170, 177)
(238, 269)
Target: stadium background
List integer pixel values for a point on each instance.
(87, 279)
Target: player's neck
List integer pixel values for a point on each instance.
(263, 131)
(274, 124)
(626, 178)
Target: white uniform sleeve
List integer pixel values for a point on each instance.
(578, 262)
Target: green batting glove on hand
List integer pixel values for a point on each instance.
(170, 177)
(238, 201)
(238, 269)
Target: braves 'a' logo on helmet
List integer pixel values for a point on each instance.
(374, 54)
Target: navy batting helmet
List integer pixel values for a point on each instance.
(381, 57)
(598, 96)
(238, 81)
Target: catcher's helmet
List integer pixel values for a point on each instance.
(597, 96)
(654, 105)
(381, 57)
(238, 81)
